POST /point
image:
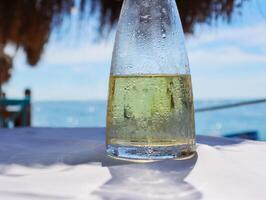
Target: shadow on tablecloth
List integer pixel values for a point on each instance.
(43, 148)
(156, 180)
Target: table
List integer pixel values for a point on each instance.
(55, 164)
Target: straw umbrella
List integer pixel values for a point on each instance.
(28, 24)
(5, 68)
(191, 12)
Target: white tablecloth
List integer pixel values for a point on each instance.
(65, 164)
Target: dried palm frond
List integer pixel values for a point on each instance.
(27, 24)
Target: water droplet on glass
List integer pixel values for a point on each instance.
(145, 18)
(164, 10)
(163, 35)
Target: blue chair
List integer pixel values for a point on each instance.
(18, 117)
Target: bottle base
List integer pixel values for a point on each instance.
(147, 153)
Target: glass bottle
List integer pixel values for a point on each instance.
(150, 112)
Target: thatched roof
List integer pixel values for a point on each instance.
(191, 12)
(5, 66)
(29, 23)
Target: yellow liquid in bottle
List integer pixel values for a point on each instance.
(151, 111)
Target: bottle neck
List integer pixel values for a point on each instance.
(150, 39)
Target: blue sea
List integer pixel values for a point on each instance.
(213, 123)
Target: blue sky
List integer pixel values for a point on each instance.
(226, 61)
